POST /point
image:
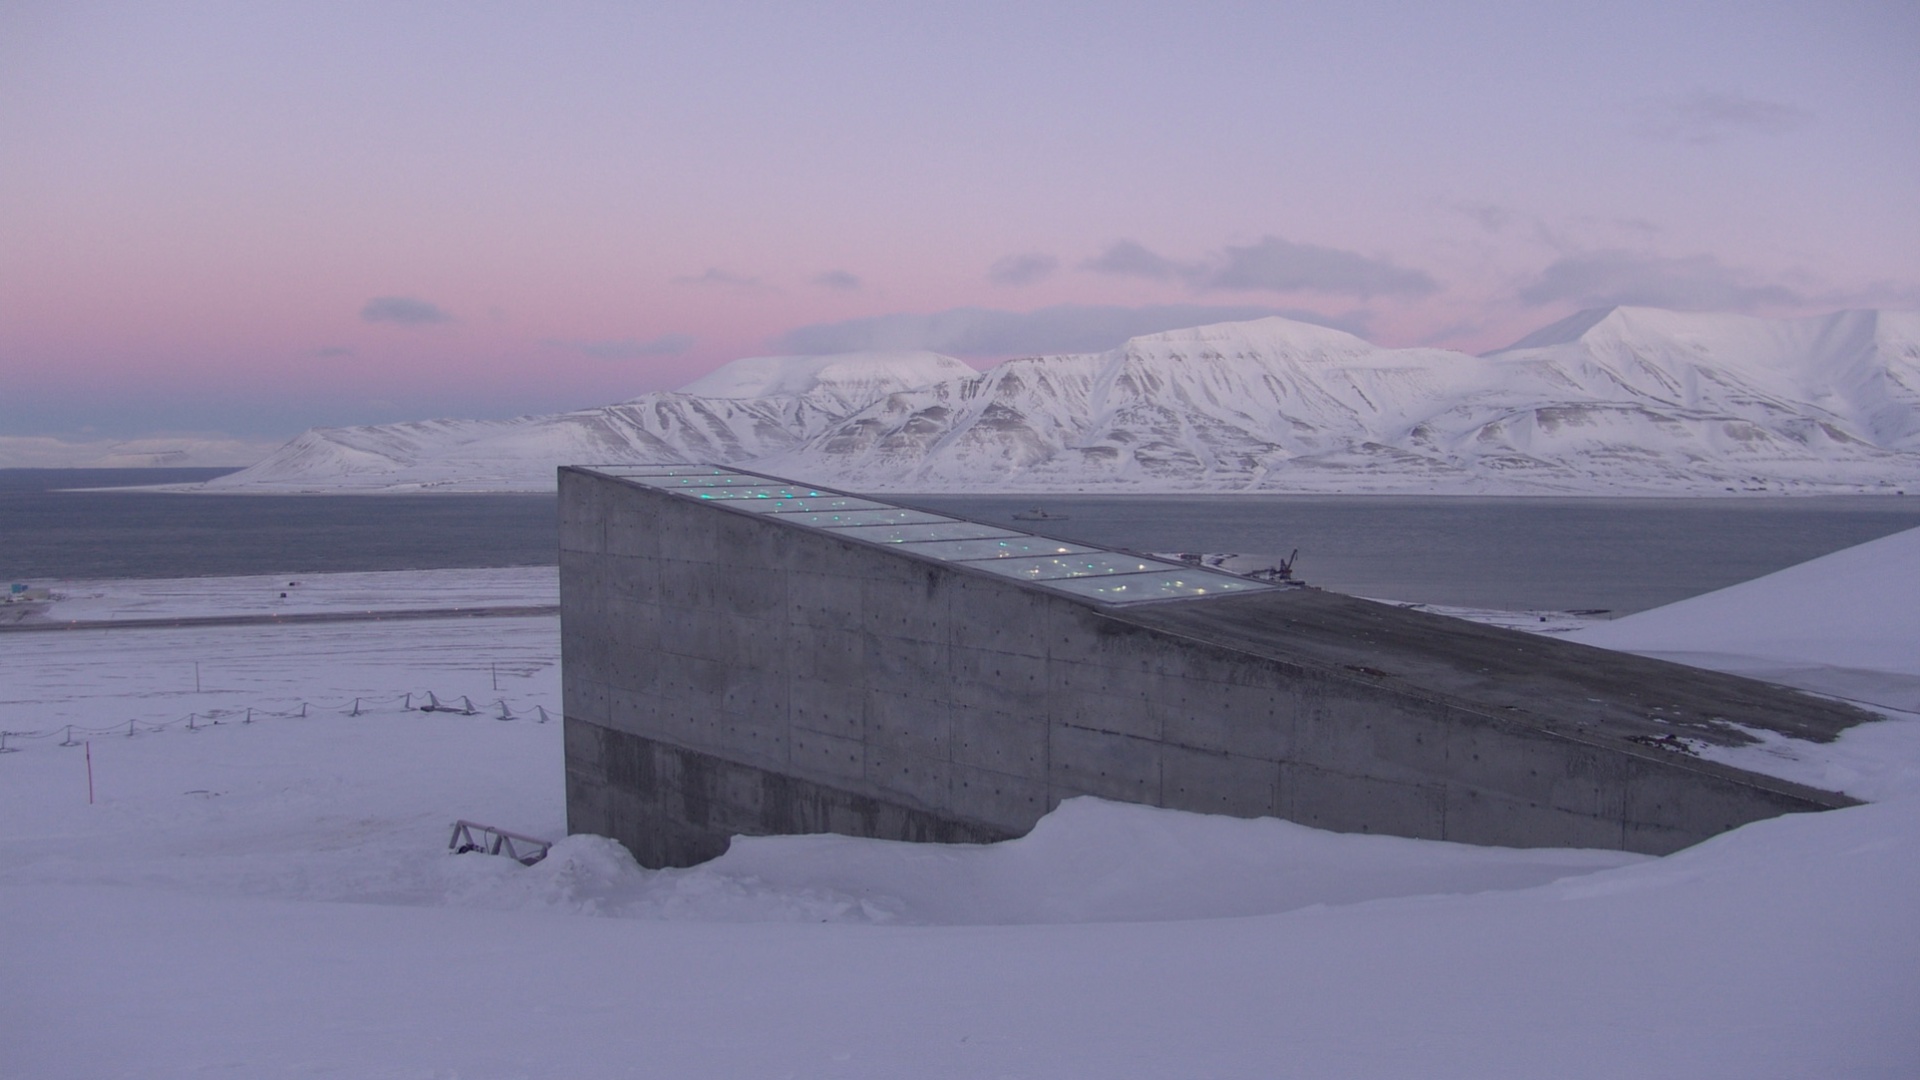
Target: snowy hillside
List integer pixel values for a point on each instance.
(1624, 400)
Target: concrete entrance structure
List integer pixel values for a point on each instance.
(743, 654)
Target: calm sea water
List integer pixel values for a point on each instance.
(1622, 555)
(50, 533)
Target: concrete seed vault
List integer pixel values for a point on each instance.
(746, 655)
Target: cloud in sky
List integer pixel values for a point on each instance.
(402, 311)
(1491, 217)
(987, 332)
(837, 279)
(1126, 257)
(716, 276)
(1702, 117)
(629, 348)
(1022, 269)
(1270, 265)
(1693, 282)
(1281, 266)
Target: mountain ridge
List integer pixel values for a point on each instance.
(1617, 400)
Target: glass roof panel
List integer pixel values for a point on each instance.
(933, 530)
(1127, 588)
(803, 500)
(759, 493)
(661, 470)
(703, 480)
(1011, 546)
(1102, 576)
(1047, 568)
(836, 519)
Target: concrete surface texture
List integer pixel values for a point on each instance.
(729, 672)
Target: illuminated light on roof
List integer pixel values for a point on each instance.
(1101, 575)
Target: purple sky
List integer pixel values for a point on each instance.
(251, 218)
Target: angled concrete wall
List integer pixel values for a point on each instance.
(727, 673)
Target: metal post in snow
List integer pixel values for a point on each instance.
(89, 772)
(356, 707)
(191, 717)
(129, 729)
(249, 718)
(196, 676)
(303, 710)
(69, 741)
(495, 668)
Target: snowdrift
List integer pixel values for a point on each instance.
(1846, 624)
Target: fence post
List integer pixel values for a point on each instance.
(356, 707)
(303, 710)
(191, 717)
(69, 741)
(249, 718)
(129, 729)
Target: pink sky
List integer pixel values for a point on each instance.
(253, 218)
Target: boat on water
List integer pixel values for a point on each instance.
(1037, 514)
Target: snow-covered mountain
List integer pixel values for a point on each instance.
(1618, 400)
(749, 409)
(1622, 400)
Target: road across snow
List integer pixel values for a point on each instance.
(275, 899)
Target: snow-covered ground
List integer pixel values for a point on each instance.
(275, 898)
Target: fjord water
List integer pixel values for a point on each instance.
(1621, 555)
(48, 530)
